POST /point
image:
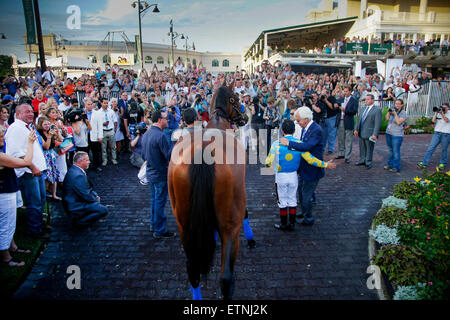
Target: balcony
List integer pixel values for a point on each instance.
(406, 18)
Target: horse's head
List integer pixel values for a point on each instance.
(226, 104)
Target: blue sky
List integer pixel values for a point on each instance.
(213, 25)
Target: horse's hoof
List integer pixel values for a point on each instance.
(251, 244)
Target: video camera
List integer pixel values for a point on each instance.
(438, 109)
(75, 115)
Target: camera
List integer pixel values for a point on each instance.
(391, 110)
(323, 97)
(438, 109)
(52, 127)
(75, 115)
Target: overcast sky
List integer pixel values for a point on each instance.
(213, 25)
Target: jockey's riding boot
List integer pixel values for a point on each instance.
(283, 220)
(292, 212)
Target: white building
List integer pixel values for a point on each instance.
(99, 52)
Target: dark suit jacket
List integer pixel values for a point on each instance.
(350, 110)
(312, 142)
(77, 191)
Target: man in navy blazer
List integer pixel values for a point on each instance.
(311, 137)
(79, 200)
(345, 123)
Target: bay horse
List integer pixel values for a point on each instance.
(209, 197)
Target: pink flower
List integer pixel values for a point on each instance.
(430, 283)
(428, 233)
(428, 238)
(413, 221)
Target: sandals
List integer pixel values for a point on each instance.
(12, 263)
(18, 250)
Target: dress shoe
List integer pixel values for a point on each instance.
(369, 167)
(339, 157)
(359, 163)
(347, 160)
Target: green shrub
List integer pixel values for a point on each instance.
(390, 216)
(428, 228)
(434, 290)
(403, 189)
(404, 265)
(423, 122)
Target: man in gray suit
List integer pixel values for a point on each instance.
(367, 128)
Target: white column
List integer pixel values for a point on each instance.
(423, 9)
(363, 8)
(266, 51)
(414, 37)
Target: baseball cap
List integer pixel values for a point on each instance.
(8, 97)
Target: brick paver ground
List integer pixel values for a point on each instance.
(119, 259)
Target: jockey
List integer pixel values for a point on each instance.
(285, 163)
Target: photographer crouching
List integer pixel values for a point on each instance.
(136, 143)
(441, 136)
(395, 118)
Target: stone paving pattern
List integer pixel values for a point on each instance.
(119, 259)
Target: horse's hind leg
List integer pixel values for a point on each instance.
(194, 279)
(230, 249)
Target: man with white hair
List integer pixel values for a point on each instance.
(311, 140)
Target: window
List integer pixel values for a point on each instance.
(160, 60)
(335, 4)
(215, 63)
(148, 59)
(225, 63)
(194, 61)
(106, 59)
(92, 58)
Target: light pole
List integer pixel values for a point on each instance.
(173, 35)
(142, 7)
(188, 47)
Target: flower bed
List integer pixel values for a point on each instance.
(422, 125)
(411, 231)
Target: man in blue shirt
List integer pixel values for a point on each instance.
(156, 151)
(173, 119)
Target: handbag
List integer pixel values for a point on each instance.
(65, 146)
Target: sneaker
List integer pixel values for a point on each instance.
(104, 163)
(387, 168)
(421, 165)
(441, 166)
(143, 182)
(394, 170)
(166, 235)
(114, 162)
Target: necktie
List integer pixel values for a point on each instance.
(303, 133)
(364, 114)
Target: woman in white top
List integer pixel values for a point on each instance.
(414, 89)
(119, 134)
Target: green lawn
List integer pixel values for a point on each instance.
(12, 277)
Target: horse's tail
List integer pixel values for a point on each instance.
(199, 240)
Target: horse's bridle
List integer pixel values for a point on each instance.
(240, 120)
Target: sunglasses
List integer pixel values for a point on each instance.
(292, 113)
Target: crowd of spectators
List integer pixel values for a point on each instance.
(106, 114)
(398, 46)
